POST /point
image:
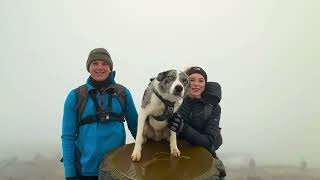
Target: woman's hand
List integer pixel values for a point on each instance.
(176, 123)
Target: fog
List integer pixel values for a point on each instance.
(265, 54)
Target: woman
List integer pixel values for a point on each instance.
(197, 120)
(98, 129)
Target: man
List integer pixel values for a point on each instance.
(93, 119)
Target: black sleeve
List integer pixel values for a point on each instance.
(207, 137)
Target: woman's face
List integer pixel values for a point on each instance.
(197, 85)
(99, 70)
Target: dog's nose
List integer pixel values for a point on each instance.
(178, 88)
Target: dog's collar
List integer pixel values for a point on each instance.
(166, 102)
(169, 108)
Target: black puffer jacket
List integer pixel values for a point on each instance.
(198, 129)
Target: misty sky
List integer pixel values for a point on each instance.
(265, 54)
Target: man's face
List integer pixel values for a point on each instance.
(99, 70)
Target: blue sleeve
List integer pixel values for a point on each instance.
(68, 137)
(131, 114)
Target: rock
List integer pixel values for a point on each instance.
(156, 163)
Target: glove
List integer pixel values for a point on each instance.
(175, 123)
(72, 178)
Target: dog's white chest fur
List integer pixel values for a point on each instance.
(157, 125)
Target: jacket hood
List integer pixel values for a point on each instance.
(212, 93)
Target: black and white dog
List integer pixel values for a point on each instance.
(161, 99)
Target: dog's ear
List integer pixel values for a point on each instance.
(151, 79)
(162, 75)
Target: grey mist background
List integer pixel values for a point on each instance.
(265, 54)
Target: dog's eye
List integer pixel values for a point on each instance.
(185, 81)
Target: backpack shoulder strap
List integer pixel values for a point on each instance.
(120, 91)
(81, 101)
(82, 98)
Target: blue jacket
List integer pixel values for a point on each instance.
(95, 140)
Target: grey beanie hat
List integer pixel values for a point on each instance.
(99, 54)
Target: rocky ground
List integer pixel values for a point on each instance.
(43, 168)
(273, 173)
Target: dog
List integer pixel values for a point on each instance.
(161, 99)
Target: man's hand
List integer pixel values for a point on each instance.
(175, 123)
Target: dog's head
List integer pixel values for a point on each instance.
(173, 83)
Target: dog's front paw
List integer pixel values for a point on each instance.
(136, 156)
(175, 152)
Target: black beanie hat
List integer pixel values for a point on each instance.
(99, 54)
(198, 70)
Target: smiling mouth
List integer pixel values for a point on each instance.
(100, 73)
